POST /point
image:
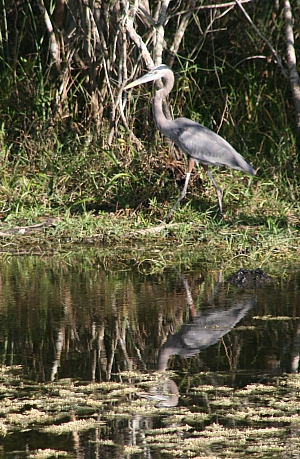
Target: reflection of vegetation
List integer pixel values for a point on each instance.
(259, 418)
(75, 319)
(84, 325)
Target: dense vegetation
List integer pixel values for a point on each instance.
(69, 136)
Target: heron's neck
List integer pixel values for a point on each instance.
(161, 121)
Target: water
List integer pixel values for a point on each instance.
(148, 364)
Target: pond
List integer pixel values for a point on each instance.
(97, 363)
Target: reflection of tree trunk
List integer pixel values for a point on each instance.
(76, 437)
(60, 342)
(102, 356)
(111, 360)
(98, 354)
(295, 350)
(121, 337)
(93, 353)
(58, 348)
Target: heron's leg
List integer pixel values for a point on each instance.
(180, 197)
(191, 163)
(219, 192)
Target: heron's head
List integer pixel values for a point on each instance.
(161, 71)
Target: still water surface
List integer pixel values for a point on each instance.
(176, 347)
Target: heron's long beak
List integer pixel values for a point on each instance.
(144, 79)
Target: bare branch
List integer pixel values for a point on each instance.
(136, 38)
(292, 63)
(249, 58)
(54, 45)
(184, 21)
(273, 51)
(209, 7)
(160, 32)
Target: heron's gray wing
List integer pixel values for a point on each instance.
(205, 146)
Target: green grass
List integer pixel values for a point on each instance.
(121, 241)
(114, 195)
(118, 196)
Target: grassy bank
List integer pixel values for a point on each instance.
(83, 194)
(63, 184)
(122, 241)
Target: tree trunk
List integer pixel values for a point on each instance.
(292, 65)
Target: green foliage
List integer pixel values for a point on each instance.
(52, 160)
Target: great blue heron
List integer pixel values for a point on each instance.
(198, 143)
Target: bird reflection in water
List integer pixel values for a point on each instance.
(204, 329)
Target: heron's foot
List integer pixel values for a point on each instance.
(167, 217)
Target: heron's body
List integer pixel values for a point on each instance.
(198, 143)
